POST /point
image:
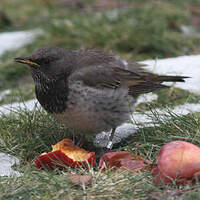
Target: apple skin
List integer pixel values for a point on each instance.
(177, 161)
(65, 154)
(124, 160)
(58, 159)
(104, 162)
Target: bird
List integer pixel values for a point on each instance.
(90, 90)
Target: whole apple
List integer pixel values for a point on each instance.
(177, 161)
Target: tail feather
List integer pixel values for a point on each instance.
(146, 88)
(171, 78)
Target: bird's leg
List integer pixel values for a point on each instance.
(110, 140)
(81, 140)
(109, 145)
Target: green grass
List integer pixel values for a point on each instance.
(55, 186)
(149, 30)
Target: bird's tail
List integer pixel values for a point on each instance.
(171, 78)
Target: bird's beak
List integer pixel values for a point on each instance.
(26, 61)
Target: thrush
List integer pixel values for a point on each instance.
(90, 90)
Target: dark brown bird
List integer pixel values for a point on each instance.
(90, 90)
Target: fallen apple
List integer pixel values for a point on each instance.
(123, 160)
(177, 161)
(65, 154)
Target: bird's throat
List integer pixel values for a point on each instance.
(52, 96)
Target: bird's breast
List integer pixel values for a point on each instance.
(92, 110)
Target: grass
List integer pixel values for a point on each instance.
(28, 134)
(169, 99)
(62, 189)
(148, 30)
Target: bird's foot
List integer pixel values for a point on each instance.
(108, 148)
(109, 145)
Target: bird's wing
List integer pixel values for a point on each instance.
(101, 70)
(107, 76)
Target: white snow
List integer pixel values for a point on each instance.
(190, 31)
(146, 98)
(7, 161)
(15, 107)
(14, 40)
(184, 66)
(4, 93)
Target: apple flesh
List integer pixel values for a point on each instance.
(65, 154)
(177, 161)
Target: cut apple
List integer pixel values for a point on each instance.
(65, 154)
(123, 160)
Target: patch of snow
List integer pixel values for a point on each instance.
(184, 66)
(7, 161)
(190, 31)
(15, 107)
(123, 131)
(146, 98)
(4, 93)
(145, 119)
(112, 15)
(14, 40)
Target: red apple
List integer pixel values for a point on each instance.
(65, 154)
(177, 161)
(124, 160)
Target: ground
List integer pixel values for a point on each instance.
(135, 30)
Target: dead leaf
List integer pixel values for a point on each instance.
(78, 179)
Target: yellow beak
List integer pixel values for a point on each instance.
(26, 61)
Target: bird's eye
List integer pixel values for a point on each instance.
(44, 61)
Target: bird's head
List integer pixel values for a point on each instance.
(48, 63)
